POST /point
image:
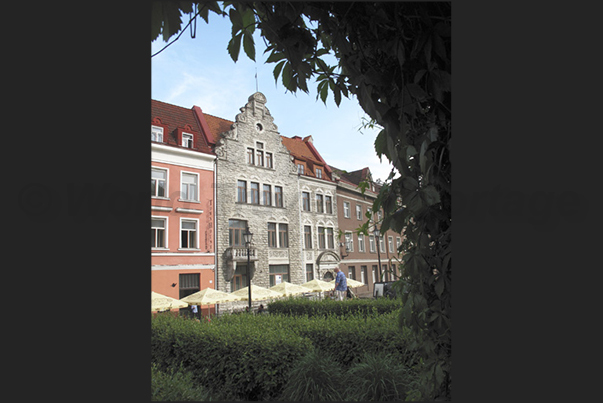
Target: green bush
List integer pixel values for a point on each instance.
(316, 377)
(246, 358)
(174, 386)
(302, 306)
(378, 376)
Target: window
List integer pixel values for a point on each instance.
(278, 273)
(241, 192)
(189, 187)
(188, 234)
(384, 273)
(390, 243)
(283, 236)
(157, 233)
(363, 274)
(374, 274)
(329, 204)
(271, 235)
(321, 238)
(352, 272)
(158, 182)
(372, 243)
(346, 209)
(318, 173)
(235, 233)
(398, 243)
(187, 140)
(157, 134)
(239, 280)
(269, 163)
(250, 158)
(359, 212)
(306, 201)
(307, 237)
(330, 238)
(189, 284)
(319, 204)
(278, 196)
(255, 193)
(381, 244)
(300, 169)
(267, 195)
(309, 272)
(360, 242)
(259, 154)
(349, 241)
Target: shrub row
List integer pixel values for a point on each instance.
(237, 361)
(302, 306)
(251, 356)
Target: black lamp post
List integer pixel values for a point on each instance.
(247, 236)
(377, 233)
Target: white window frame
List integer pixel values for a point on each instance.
(359, 212)
(165, 231)
(300, 169)
(349, 241)
(346, 209)
(186, 138)
(398, 243)
(319, 173)
(196, 199)
(167, 183)
(372, 248)
(390, 243)
(363, 274)
(361, 244)
(157, 132)
(196, 235)
(382, 244)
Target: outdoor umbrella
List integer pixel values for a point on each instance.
(287, 288)
(209, 296)
(319, 285)
(257, 293)
(353, 283)
(160, 302)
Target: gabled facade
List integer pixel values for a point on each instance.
(361, 253)
(182, 203)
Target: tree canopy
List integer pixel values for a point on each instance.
(395, 57)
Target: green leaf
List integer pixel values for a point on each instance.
(277, 69)
(430, 195)
(235, 19)
(288, 77)
(275, 57)
(439, 286)
(248, 46)
(381, 144)
(234, 46)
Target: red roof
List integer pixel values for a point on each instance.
(174, 119)
(217, 126)
(304, 153)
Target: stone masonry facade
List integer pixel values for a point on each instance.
(252, 153)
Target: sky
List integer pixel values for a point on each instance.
(199, 71)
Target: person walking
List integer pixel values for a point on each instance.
(341, 285)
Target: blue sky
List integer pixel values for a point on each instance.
(200, 72)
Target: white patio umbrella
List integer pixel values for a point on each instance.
(287, 288)
(319, 285)
(160, 302)
(354, 283)
(257, 293)
(209, 296)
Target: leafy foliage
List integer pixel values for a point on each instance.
(395, 58)
(329, 307)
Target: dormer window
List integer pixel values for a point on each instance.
(187, 140)
(318, 173)
(157, 133)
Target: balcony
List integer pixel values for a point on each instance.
(239, 254)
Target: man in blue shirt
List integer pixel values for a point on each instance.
(341, 285)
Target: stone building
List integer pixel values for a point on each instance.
(257, 187)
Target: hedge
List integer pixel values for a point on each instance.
(250, 357)
(302, 306)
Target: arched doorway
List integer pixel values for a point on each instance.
(326, 262)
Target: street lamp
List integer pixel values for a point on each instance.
(377, 233)
(247, 236)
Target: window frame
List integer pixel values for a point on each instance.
(157, 131)
(267, 194)
(358, 212)
(241, 191)
(283, 236)
(232, 236)
(308, 237)
(320, 207)
(328, 204)
(361, 243)
(165, 233)
(254, 194)
(196, 184)
(167, 175)
(278, 196)
(346, 209)
(187, 138)
(306, 201)
(272, 238)
(189, 231)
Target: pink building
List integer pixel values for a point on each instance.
(182, 202)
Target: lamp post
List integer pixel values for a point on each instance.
(377, 233)
(247, 236)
